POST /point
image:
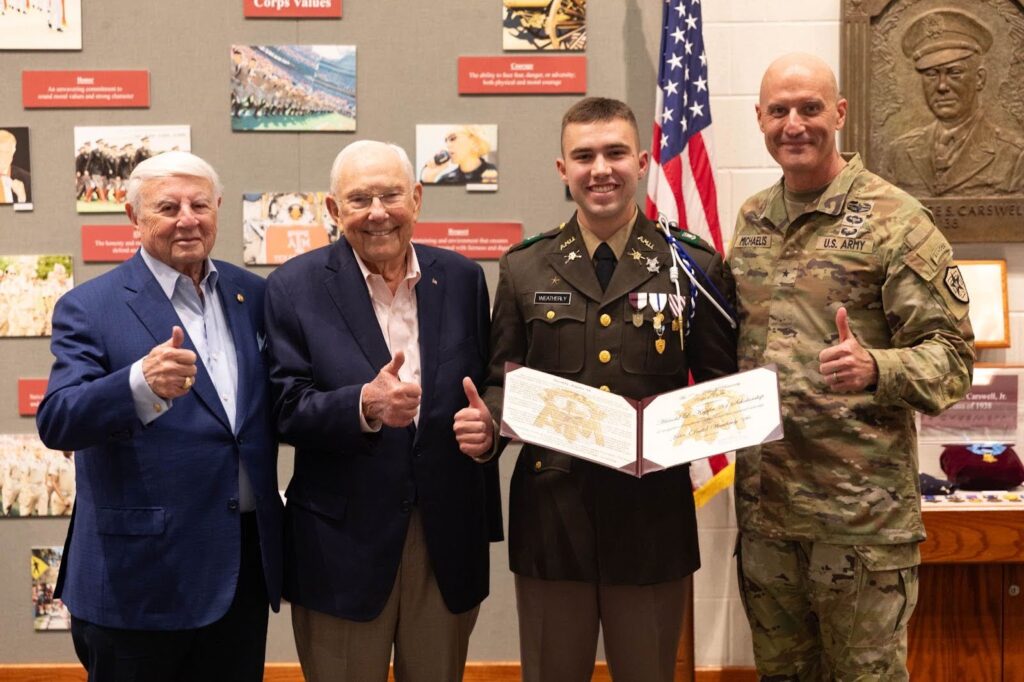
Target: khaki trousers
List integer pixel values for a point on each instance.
(430, 642)
(559, 621)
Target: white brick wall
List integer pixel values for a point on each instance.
(742, 37)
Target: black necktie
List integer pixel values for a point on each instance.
(604, 264)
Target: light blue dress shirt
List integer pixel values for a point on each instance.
(207, 327)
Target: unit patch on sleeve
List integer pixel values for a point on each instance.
(956, 285)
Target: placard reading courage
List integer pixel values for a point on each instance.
(522, 75)
(293, 9)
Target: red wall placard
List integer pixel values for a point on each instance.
(30, 394)
(85, 89)
(292, 9)
(108, 243)
(521, 75)
(482, 241)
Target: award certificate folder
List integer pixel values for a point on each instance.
(641, 436)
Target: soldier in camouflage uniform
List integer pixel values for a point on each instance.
(842, 281)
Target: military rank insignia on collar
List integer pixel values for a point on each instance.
(956, 285)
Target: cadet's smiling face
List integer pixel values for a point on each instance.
(602, 165)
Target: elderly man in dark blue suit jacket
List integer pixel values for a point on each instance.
(375, 346)
(160, 387)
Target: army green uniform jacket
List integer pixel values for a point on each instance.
(846, 471)
(570, 519)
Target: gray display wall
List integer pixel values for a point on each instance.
(406, 61)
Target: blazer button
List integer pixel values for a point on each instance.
(605, 357)
(537, 465)
(606, 320)
(232, 504)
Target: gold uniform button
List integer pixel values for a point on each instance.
(551, 314)
(605, 389)
(605, 357)
(606, 320)
(537, 465)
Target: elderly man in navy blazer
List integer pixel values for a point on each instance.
(375, 347)
(160, 387)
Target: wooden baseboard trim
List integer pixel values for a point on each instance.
(290, 672)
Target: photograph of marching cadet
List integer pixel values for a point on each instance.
(454, 154)
(544, 25)
(47, 613)
(293, 87)
(106, 155)
(280, 225)
(34, 480)
(40, 24)
(15, 168)
(29, 288)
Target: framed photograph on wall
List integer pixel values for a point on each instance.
(105, 157)
(990, 307)
(48, 612)
(280, 225)
(529, 25)
(293, 88)
(458, 154)
(40, 24)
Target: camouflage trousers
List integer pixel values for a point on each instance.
(828, 613)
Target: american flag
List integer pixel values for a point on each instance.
(682, 184)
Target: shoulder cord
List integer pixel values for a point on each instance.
(681, 258)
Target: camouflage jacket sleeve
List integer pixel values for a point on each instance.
(931, 359)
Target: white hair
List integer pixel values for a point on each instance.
(166, 165)
(360, 146)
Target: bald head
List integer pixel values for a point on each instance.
(808, 67)
(799, 112)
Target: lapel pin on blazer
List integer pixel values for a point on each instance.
(240, 298)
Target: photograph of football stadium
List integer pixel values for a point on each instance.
(293, 87)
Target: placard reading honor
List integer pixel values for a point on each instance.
(480, 241)
(292, 9)
(85, 89)
(522, 75)
(30, 394)
(108, 243)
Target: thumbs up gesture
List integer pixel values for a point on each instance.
(474, 428)
(846, 366)
(169, 369)
(388, 399)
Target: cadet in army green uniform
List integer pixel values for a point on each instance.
(843, 282)
(592, 547)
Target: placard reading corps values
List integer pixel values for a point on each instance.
(522, 75)
(293, 9)
(85, 89)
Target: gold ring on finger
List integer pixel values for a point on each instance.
(187, 384)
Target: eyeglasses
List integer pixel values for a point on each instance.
(361, 202)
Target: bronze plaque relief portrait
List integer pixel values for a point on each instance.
(941, 85)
